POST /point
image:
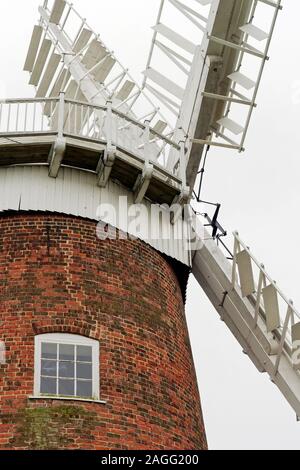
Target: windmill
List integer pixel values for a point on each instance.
(91, 120)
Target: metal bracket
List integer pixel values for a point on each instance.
(223, 299)
(142, 183)
(56, 156)
(105, 165)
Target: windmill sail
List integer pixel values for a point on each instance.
(66, 55)
(262, 319)
(217, 50)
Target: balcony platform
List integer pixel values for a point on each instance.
(84, 154)
(87, 133)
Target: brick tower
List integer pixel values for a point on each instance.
(59, 281)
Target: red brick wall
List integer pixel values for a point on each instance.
(56, 276)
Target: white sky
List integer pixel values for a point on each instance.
(260, 197)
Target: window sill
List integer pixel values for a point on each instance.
(85, 400)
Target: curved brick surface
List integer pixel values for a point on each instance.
(56, 276)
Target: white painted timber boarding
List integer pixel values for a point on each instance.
(75, 192)
(270, 340)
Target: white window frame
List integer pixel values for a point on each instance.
(65, 338)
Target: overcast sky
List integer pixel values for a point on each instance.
(260, 197)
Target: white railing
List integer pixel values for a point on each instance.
(270, 304)
(98, 123)
(26, 115)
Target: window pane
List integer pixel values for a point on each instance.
(49, 351)
(84, 371)
(84, 389)
(66, 369)
(84, 353)
(48, 368)
(48, 386)
(66, 387)
(66, 352)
